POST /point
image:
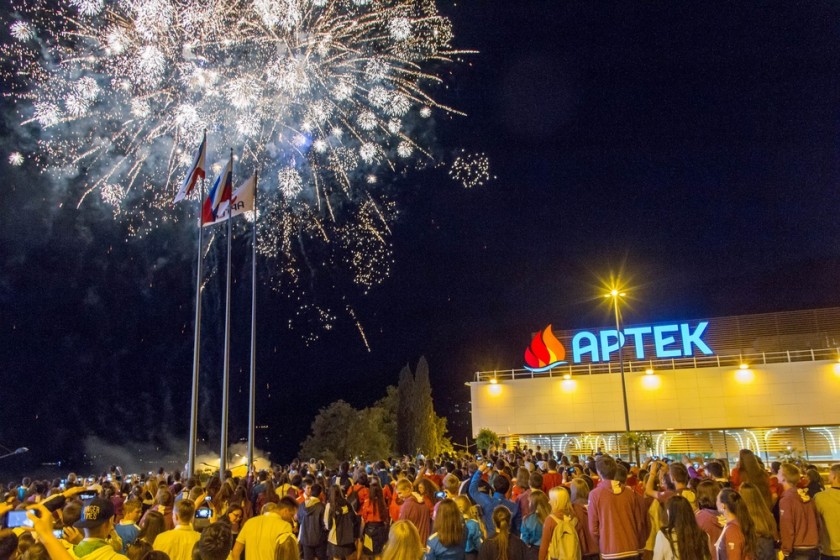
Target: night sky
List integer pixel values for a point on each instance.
(690, 148)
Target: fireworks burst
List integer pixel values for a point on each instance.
(16, 159)
(317, 93)
(471, 170)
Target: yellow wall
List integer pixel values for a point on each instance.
(787, 394)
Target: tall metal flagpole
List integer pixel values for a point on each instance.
(252, 396)
(197, 341)
(226, 375)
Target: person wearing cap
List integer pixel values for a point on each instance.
(178, 543)
(100, 538)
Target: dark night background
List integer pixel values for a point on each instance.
(691, 148)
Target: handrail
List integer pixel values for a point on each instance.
(630, 366)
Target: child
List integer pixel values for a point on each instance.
(127, 528)
(475, 535)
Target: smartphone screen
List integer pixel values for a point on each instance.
(17, 518)
(203, 513)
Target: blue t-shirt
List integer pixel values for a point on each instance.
(474, 537)
(436, 551)
(532, 530)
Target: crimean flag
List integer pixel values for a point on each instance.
(220, 192)
(195, 172)
(242, 201)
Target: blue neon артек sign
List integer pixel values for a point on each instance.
(673, 340)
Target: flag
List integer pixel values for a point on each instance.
(219, 193)
(196, 171)
(242, 201)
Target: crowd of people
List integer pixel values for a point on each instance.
(503, 504)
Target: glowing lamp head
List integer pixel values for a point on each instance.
(744, 365)
(567, 376)
(494, 381)
(649, 371)
(744, 376)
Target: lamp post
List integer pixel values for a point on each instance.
(615, 294)
(17, 451)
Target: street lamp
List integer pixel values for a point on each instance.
(17, 451)
(615, 294)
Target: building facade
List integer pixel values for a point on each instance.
(769, 383)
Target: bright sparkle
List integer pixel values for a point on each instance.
(22, 31)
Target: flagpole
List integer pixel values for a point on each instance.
(196, 342)
(226, 375)
(252, 396)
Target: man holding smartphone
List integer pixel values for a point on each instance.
(501, 485)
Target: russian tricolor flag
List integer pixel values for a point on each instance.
(195, 173)
(220, 192)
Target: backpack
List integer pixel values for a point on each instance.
(284, 545)
(564, 544)
(354, 501)
(311, 523)
(342, 522)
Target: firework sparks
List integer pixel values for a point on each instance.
(471, 170)
(318, 93)
(16, 159)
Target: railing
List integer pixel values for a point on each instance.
(631, 366)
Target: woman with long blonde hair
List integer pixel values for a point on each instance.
(403, 542)
(449, 539)
(532, 525)
(472, 523)
(563, 519)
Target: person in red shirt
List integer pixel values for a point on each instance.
(521, 486)
(617, 516)
(737, 541)
(551, 478)
(798, 526)
(374, 514)
(414, 509)
(431, 473)
(707, 514)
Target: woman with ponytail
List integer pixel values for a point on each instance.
(738, 541)
(504, 545)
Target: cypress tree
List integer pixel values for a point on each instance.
(425, 423)
(406, 416)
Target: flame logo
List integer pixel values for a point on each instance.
(545, 352)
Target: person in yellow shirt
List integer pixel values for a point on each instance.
(259, 534)
(179, 542)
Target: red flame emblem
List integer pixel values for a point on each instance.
(545, 351)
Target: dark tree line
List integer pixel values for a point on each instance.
(401, 422)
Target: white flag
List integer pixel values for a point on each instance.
(242, 201)
(195, 172)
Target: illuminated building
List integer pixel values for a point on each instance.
(768, 382)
